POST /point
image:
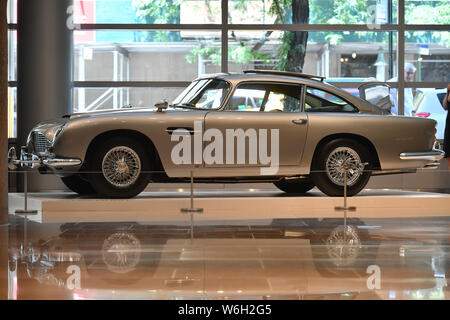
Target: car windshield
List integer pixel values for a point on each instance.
(203, 94)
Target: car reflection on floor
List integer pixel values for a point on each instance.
(281, 258)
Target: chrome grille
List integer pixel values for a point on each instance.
(39, 142)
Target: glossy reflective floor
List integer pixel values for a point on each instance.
(305, 258)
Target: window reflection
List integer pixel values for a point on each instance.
(267, 97)
(317, 100)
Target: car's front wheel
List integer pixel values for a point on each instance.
(118, 168)
(295, 185)
(334, 159)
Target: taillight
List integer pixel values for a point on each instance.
(423, 114)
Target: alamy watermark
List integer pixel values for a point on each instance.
(239, 140)
(374, 280)
(74, 280)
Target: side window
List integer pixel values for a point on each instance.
(246, 97)
(266, 97)
(317, 100)
(212, 95)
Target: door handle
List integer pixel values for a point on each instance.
(300, 121)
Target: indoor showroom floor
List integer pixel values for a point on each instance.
(247, 244)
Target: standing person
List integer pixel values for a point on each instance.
(410, 71)
(446, 104)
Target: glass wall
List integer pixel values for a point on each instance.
(336, 55)
(12, 78)
(12, 11)
(148, 11)
(152, 49)
(90, 99)
(429, 52)
(320, 12)
(178, 55)
(427, 12)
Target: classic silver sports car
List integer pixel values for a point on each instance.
(294, 130)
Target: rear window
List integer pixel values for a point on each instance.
(317, 100)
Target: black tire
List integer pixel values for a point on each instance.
(320, 174)
(102, 184)
(78, 185)
(295, 185)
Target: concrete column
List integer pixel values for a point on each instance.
(45, 68)
(3, 152)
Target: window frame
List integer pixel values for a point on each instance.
(334, 94)
(202, 90)
(236, 86)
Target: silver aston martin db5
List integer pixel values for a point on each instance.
(294, 130)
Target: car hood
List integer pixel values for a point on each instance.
(107, 112)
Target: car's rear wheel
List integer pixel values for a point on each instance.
(119, 168)
(331, 162)
(295, 185)
(78, 185)
(337, 255)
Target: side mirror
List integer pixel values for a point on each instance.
(162, 105)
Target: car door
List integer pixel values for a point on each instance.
(268, 116)
(180, 129)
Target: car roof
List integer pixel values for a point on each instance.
(239, 77)
(236, 78)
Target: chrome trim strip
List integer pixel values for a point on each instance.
(434, 155)
(432, 165)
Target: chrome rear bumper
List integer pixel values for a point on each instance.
(434, 155)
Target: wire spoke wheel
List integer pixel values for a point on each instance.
(121, 252)
(342, 249)
(121, 166)
(340, 160)
(336, 157)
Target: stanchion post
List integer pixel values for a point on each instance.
(345, 208)
(25, 212)
(345, 205)
(191, 210)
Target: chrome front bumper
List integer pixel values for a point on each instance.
(57, 163)
(33, 161)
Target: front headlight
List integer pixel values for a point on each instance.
(53, 132)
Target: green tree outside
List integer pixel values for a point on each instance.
(290, 55)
